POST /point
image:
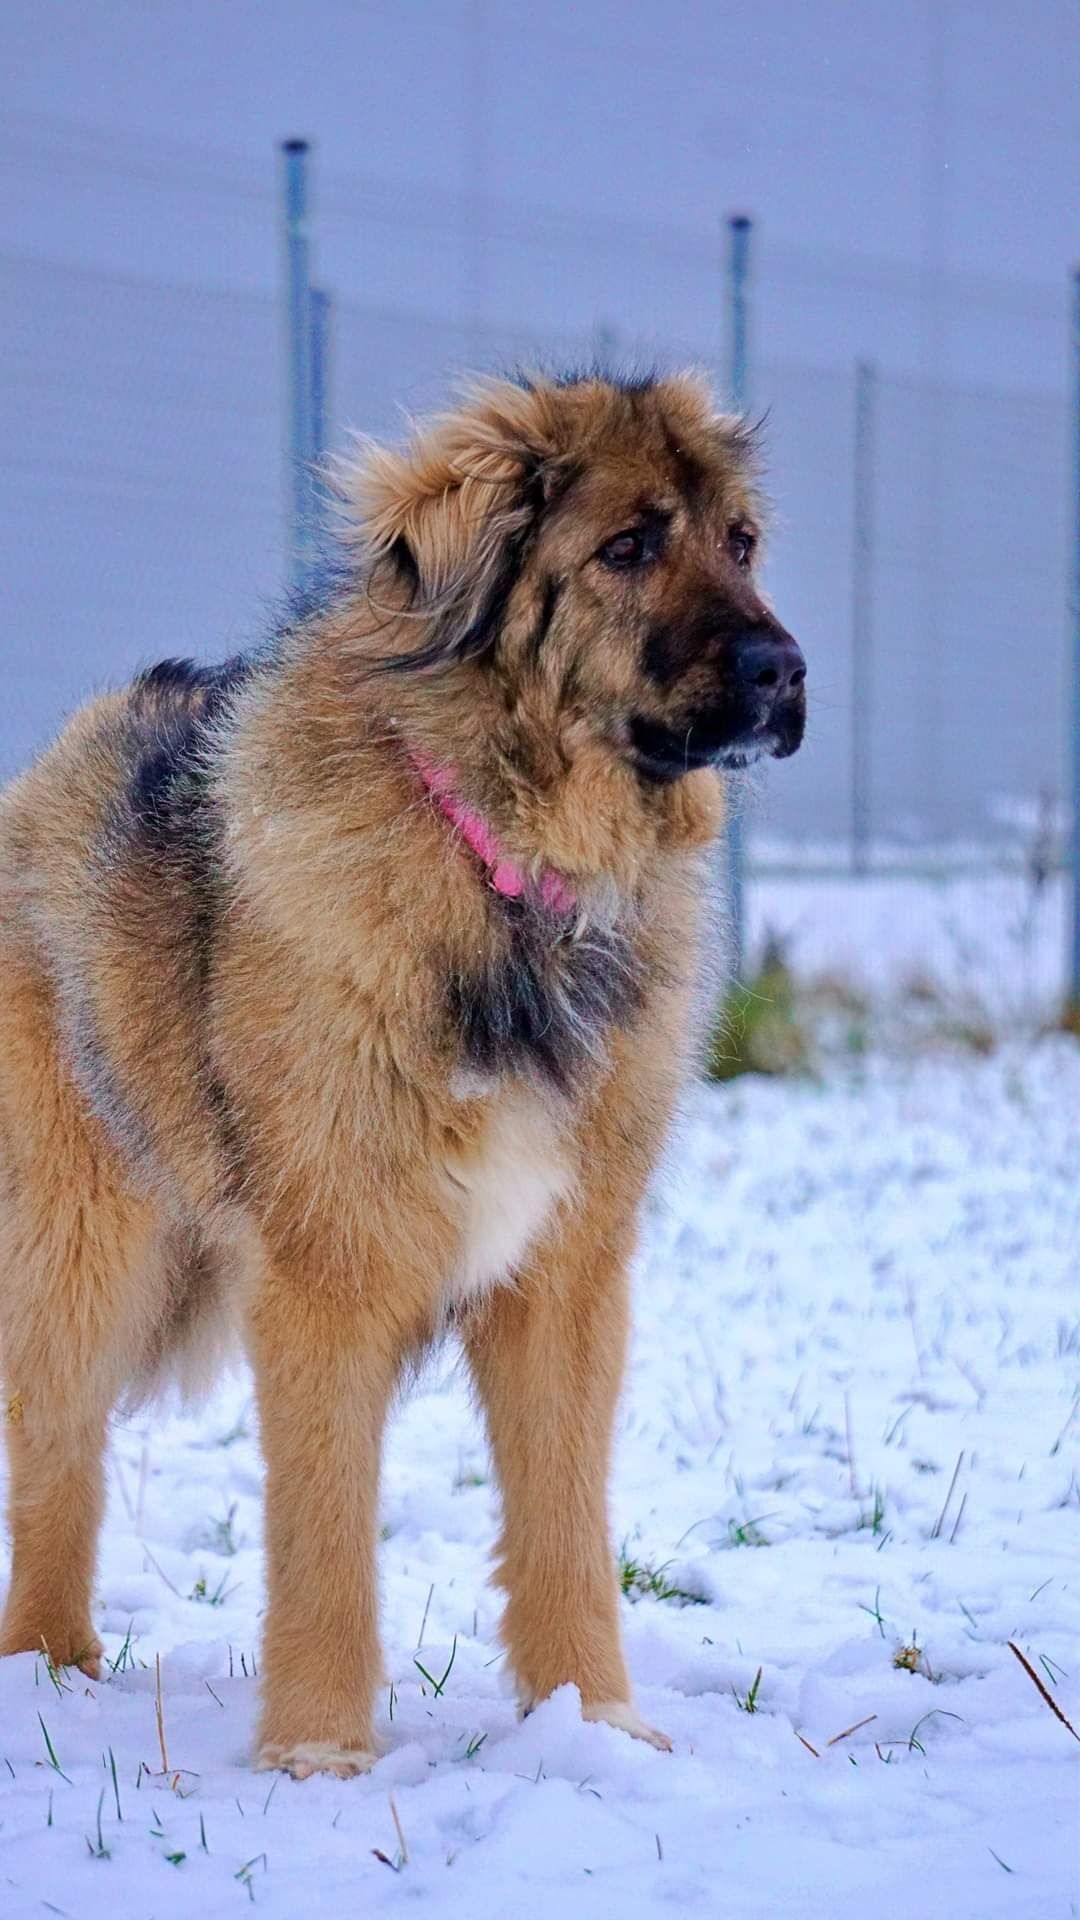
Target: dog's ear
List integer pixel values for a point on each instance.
(451, 512)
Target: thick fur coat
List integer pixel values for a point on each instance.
(282, 1054)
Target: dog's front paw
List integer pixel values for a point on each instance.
(306, 1757)
(624, 1716)
(61, 1646)
(87, 1655)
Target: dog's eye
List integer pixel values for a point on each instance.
(741, 546)
(626, 549)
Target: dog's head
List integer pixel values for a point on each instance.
(591, 545)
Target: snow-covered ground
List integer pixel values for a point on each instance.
(848, 1455)
(989, 943)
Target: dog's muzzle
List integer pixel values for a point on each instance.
(768, 677)
(761, 712)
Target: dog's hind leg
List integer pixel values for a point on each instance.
(76, 1255)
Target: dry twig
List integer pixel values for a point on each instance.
(1048, 1697)
(159, 1714)
(850, 1730)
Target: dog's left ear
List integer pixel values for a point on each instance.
(450, 507)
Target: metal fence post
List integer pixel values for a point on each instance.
(301, 445)
(321, 312)
(1074, 956)
(605, 346)
(739, 227)
(862, 611)
(320, 354)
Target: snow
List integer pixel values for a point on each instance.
(851, 1433)
(989, 943)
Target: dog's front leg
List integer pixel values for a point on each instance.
(325, 1367)
(547, 1357)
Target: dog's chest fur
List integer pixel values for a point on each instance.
(505, 1186)
(529, 1018)
(541, 1000)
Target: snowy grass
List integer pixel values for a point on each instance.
(985, 947)
(847, 1498)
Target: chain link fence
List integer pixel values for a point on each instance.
(919, 552)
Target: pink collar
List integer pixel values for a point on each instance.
(552, 890)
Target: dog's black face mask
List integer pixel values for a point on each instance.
(722, 682)
(727, 691)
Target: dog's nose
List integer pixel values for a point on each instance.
(772, 663)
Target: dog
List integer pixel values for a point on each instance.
(346, 994)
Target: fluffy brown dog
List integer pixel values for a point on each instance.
(344, 990)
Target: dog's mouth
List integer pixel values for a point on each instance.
(734, 758)
(663, 753)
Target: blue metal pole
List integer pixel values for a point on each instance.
(862, 612)
(320, 386)
(320, 346)
(300, 449)
(1074, 956)
(739, 228)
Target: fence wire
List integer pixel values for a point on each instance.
(142, 509)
